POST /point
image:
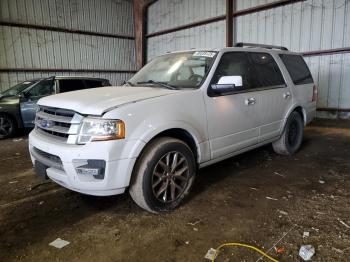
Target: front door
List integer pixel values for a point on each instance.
(232, 119)
(30, 98)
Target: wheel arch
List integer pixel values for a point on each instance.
(299, 109)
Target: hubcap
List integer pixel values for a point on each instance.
(5, 126)
(170, 177)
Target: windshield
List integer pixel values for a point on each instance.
(19, 88)
(176, 70)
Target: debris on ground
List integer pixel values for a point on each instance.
(210, 255)
(194, 223)
(306, 252)
(271, 198)
(187, 242)
(41, 202)
(253, 188)
(59, 243)
(31, 188)
(17, 140)
(13, 182)
(306, 234)
(280, 250)
(195, 229)
(316, 229)
(337, 250)
(343, 223)
(276, 173)
(283, 212)
(321, 181)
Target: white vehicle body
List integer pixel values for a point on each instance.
(217, 127)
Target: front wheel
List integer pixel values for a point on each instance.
(7, 126)
(163, 175)
(292, 136)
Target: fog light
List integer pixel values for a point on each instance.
(95, 168)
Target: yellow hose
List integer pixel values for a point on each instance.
(241, 245)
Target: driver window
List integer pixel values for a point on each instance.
(43, 88)
(234, 64)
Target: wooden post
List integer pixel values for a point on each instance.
(140, 8)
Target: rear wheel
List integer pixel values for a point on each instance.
(163, 175)
(292, 136)
(7, 126)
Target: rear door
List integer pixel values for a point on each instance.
(272, 94)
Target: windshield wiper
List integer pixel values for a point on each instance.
(158, 83)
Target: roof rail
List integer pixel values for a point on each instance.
(241, 44)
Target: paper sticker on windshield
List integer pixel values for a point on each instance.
(26, 83)
(205, 54)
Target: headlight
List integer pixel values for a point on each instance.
(98, 129)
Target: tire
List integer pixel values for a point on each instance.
(7, 126)
(154, 177)
(292, 136)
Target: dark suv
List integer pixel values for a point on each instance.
(18, 104)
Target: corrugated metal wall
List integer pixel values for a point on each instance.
(305, 26)
(165, 14)
(302, 27)
(34, 48)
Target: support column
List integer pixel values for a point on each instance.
(140, 7)
(230, 6)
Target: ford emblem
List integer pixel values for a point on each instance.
(45, 123)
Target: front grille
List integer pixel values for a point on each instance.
(61, 124)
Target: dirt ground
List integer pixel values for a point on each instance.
(255, 198)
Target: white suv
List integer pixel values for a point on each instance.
(182, 111)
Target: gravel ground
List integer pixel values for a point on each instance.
(255, 198)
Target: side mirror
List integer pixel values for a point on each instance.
(23, 97)
(228, 85)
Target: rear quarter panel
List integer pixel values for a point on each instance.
(301, 94)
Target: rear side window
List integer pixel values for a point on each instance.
(297, 68)
(266, 70)
(67, 85)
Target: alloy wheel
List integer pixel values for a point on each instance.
(170, 177)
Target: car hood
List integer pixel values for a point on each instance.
(97, 101)
(9, 100)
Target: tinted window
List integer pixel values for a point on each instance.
(234, 64)
(93, 83)
(43, 88)
(297, 68)
(67, 85)
(266, 71)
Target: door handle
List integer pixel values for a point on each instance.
(286, 95)
(250, 101)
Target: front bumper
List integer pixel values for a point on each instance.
(119, 156)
